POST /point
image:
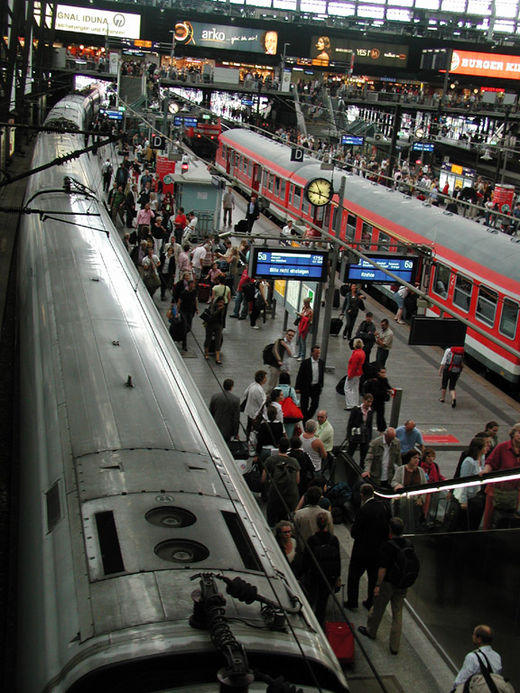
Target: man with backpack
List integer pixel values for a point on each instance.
(398, 567)
(482, 664)
(451, 367)
(283, 473)
(107, 171)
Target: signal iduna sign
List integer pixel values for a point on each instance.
(87, 20)
(485, 64)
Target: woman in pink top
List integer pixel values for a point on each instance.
(354, 371)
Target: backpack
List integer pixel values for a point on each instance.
(455, 360)
(486, 681)
(283, 479)
(326, 553)
(268, 355)
(405, 569)
(339, 494)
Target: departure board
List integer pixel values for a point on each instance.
(289, 264)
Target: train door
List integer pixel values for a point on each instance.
(229, 161)
(257, 177)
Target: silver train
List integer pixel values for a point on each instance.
(133, 515)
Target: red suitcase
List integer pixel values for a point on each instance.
(341, 639)
(204, 292)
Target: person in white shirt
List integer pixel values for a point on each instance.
(482, 639)
(197, 256)
(325, 430)
(255, 398)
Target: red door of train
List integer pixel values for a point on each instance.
(257, 177)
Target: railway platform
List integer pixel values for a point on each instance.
(422, 664)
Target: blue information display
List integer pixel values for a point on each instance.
(111, 114)
(289, 264)
(352, 140)
(404, 266)
(423, 146)
(187, 121)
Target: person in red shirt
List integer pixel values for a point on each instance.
(504, 456)
(354, 372)
(180, 224)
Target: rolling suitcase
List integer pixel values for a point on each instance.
(241, 226)
(204, 292)
(335, 326)
(341, 639)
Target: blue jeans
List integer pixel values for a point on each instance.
(238, 302)
(300, 345)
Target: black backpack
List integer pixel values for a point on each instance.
(283, 479)
(268, 355)
(326, 553)
(405, 569)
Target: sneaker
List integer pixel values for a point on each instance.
(233, 316)
(454, 404)
(255, 327)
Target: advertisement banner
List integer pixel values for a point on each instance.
(229, 37)
(326, 50)
(485, 64)
(164, 168)
(88, 20)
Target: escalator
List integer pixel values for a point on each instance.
(468, 576)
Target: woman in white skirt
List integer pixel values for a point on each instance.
(354, 371)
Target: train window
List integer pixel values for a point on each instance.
(366, 236)
(486, 305)
(462, 293)
(441, 281)
(509, 318)
(306, 207)
(266, 179)
(270, 184)
(52, 501)
(351, 227)
(383, 241)
(282, 190)
(277, 186)
(297, 197)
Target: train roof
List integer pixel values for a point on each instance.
(466, 243)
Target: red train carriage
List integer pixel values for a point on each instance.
(469, 270)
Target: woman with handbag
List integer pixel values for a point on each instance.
(304, 322)
(290, 404)
(354, 373)
(471, 499)
(150, 264)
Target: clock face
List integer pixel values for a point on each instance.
(319, 192)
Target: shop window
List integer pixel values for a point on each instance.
(509, 318)
(486, 305)
(441, 281)
(462, 293)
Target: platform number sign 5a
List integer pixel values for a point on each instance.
(157, 142)
(297, 154)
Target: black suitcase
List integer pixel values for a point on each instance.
(335, 300)
(204, 292)
(335, 326)
(241, 226)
